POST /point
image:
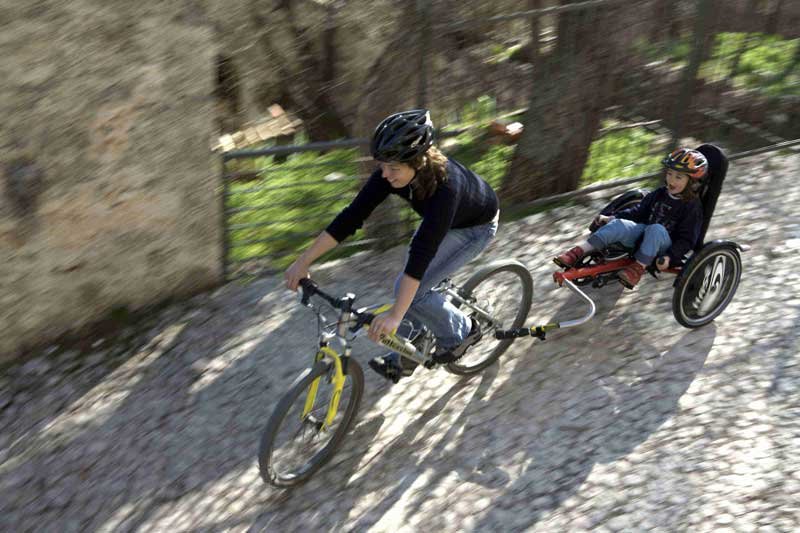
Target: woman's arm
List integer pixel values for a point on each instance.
(299, 269)
(390, 320)
(345, 224)
(437, 220)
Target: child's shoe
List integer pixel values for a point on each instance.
(631, 275)
(569, 258)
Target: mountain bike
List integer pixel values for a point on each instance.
(311, 420)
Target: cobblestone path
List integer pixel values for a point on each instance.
(628, 423)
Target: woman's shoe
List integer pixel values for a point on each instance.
(393, 367)
(451, 356)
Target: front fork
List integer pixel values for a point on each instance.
(338, 385)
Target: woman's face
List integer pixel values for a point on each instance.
(397, 174)
(676, 182)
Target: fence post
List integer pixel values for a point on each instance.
(224, 238)
(690, 75)
(424, 16)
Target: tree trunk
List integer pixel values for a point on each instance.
(774, 18)
(665, 21)
(307, 81)
(391, 86)
(228, 95)
(752, 13)
(536, 31)
(565, 108)
(393, 79)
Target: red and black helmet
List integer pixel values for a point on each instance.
(687, 161)
(403, 136)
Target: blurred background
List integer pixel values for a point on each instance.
(152, 151)
(155, 150)
(538, 97)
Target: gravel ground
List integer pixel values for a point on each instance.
(628, 423)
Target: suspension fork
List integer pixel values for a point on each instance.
(338, 385)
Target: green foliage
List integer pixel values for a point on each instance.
(494, 164)
(474, 150)
(620, 154)
(501, 53)
(479, 112)
(295, 200)
(292, 201)
(763, 59)
(676, 51)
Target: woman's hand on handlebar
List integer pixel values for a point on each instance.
(385, 323)
(297, 271)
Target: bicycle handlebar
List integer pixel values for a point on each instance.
(310, 288)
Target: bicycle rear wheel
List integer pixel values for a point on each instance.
(505, 291)
(294, 447)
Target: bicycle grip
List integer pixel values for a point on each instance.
(308, 288)
(512, 333)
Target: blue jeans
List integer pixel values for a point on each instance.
(446, 322)
(655, 239)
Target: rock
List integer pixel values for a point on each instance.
(36, 367)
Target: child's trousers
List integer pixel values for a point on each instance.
(655, 239)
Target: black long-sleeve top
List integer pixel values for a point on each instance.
(463, 201)
(681, 219)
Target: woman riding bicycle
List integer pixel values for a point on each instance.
(459, 213)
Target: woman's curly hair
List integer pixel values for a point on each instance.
(431, 171)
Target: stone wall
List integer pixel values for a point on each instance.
(108, 190)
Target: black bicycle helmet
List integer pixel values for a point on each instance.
(403, 136)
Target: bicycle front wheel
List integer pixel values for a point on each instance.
(293, 445)
(504, 291)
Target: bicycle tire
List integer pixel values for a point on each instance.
(321, 369)
(462, 367)
(703, 274)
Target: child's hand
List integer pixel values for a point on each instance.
(663, 263)
(602, 220)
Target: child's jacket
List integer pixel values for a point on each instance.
(681, 219)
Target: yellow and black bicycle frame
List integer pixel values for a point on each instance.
(337, 377)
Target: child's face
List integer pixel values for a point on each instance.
(676, 181)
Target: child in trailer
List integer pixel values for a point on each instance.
(665, 224)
